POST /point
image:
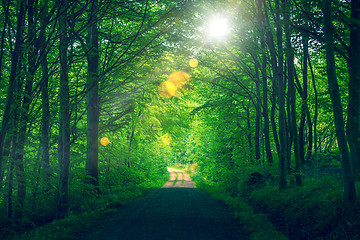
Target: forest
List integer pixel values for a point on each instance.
(259, 100)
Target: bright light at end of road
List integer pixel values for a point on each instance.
(218, 28)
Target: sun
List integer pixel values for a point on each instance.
(218, 28)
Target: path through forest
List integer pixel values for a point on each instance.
(176, 211)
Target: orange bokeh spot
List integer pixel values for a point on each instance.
(167, 89)
(173, 85)
(193, 63)
(178, 78)
(104, 141)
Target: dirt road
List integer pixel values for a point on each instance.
(176, 211)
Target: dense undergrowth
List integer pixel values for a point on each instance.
(314, 210)
(87, 212)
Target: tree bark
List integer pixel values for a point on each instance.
(353, 124)
(292, 92)
(315, 118)
(258, 114)
(44, 88)
(92, 98)
(349, 184)
(64, 115)
(278, 78)
(265, 112)
(24, 114)
(303, 104)
(12, 88)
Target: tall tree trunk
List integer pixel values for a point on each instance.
(292, 92)
(44, 88)
(249, 135)
(315, 118)
(14, 133)
(258, 114)
(92, 98)
(64, 115)
(304, 95)
(2, 44)
(349, 184)
(353, 124)
(265, 112)
(10, 180)
(24, 114)
(134, 125)
(12, 88)
(310, 135)
(272, 116)
(278, 78)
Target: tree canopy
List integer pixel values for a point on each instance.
(98, 95)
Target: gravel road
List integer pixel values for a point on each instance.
(176, 211)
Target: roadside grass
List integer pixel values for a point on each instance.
(256, 225)
(98, 211)
(314, 210)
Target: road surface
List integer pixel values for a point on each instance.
(176, 211)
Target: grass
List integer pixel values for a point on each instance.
(313, 211)
(100, 210)
(256, 225)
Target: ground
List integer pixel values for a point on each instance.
(176, 211)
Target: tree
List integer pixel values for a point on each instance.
(64, 115)
(291, 92)
(349, 183)
(92, 97)
(353, 124)
(44, 87)
(278, 77)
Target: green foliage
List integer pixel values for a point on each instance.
(209, 127)
(314, 211)
(97, 211)
(256, 224)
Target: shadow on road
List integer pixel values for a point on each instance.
(172, 213)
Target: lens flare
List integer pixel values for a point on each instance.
(104, 141)
(178, 78)
(193, 63)
(167, 89)
(166, 139)
(174, 84)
